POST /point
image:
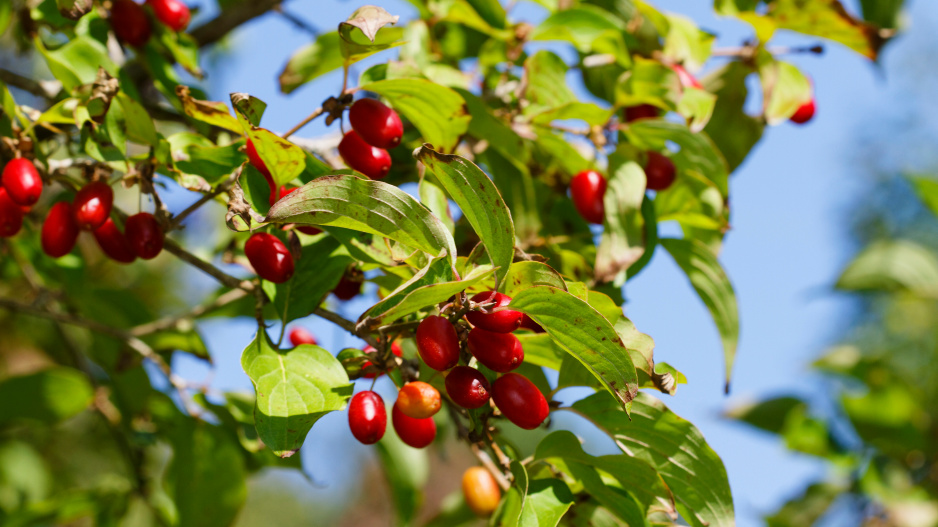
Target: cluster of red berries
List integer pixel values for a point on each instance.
(375, 129)
(131, 23)
(492, 344)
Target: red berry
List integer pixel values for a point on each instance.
(130, 22)
(501, 321)
(11, 215)
(301, 336)
(659, 171)
(395, 349)
(269, 257)
(22, 181)
(349, 286)
(59, 231)
(687, 80)
(481, 491)
(113, 242)
(173, 13)
(255, 159)
(520, 401)
(529, 323)
(587, 190)
(417, 433)
(804, 113)
(305, 229)
(418, 400)
(144, 234)
(501, 352)
(437, 343)
(367, 417)
(372, 161)
(467, 387)
(377, 124)
(93, 205)
(642, 111)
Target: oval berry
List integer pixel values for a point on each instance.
(501, 352)
(480, 491)
(113, 242)
(395, 349)
(130, 22)
(92, 205)
(467, 387)
(367, 417)
(642, 111)
(520, 401)
(587, 190)
(144, 234)
(376, 123)
(59, 231)
(349, 286)
(22, 181)
(172, 13)
(372, 161)
(417, 433)
(301, 336)
(305, 229)
(11, 215)
(529, 323)
(501, 321)
(659, 171)
(269, 257)
(418, 400)
(804, 113)
(437, 343)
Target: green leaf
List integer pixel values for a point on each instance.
(648, 82)
(650, 236)
(591, 114)
(77, 61)
(622, 242)
(541, 350)
(294, 389)
(210, 163)
(714, 288)
(733, 131)
(435, 199)
(785, 89)
(685, 43)
(508, 513)
(892, 265)
(140, 127)
(407, 471)
(215, 113)
(790, 418)
(927, 190)
(409, 300)
(49, 396)
(548, 499)
(188, 340)
(309, 62)
(827, 19)
(697, 106)
(438, 112)
(367, 206)
(546, 87)
(585, 334)
(808, 508)
(581, 26)
(697, 152)
(672, 446)
(883, 13)
(249, 107)
(480, 202)
(319, 269)
(524, 275)
(361, 34)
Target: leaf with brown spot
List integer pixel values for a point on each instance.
(211, 112)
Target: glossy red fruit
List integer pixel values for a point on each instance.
(417, 433)
(301, 336)
(92, 205)
(173, 13)
(59, 231)
(145, 235)
(367, 417)
(659, 171)
(372, 161)
(587, 190)
(804, 113)
(376, 123)
(349, 286)
(255, 159)
(22, 181)
(481, 491)
(501, 352)
(130, 22)
(11, 215)
(687, 80)
(395, 349)
(500, 321)
(269, 257)
(520, 401)
(437, 343)
(467, 387)
(529, 323)
(113, 242)
(305, 229)
(419, 400)
(642, 111)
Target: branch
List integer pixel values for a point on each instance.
(221, 188)
(207, 268)
(748, 51)
(171, 322)
(46, 89)
(229, 19)
(347, 325)
(316, 113)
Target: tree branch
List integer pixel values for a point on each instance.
(229, 19)
(171, 322)
(207, 268)
(347, 325)
(47, 89)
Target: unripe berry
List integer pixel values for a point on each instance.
(417, 433)
(418, 400)
(113, 242)
(437, 343)
(173, 13)
(144, 234)
(687, 80)
(299, 336)
(367, 417)
(376, 123)
(349, 286)
(395, 349)
(641, 111)
(130, 22)
(659, 171)
(11, 215)
(501, 321)
(92, 205)
(481, 491)
(587, 190)
(804, 113)
(22, 181)
(520, 401)
(467, 387)
(501, 352)
(59, 231)
(372, 161)
(269, 257)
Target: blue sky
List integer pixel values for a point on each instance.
(790, 205)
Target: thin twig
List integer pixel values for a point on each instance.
(47, 90)
(171, 322)
(316, 113)
(345, 324)
(490, 466)
(221, 188)
(230, 19)
(297, 21)
(747, 51)
(209, 269)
